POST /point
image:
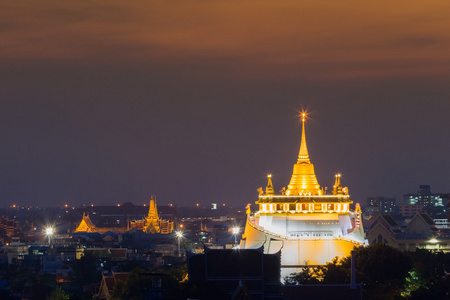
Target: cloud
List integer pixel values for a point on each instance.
(307, 39)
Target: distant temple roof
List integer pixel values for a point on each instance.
(86, 224)
(151, 223)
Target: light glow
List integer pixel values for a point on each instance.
(303, 116)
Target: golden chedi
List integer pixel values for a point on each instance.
(307, 225)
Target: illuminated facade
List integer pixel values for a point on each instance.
(153, 223)
(86, 225)
(308, 226)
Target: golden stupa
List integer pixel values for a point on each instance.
(303, 180)
(308, 226)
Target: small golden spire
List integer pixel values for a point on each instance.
(337, 188)
(153, 209)
(303, 156)
(338, 180)
(269, 189)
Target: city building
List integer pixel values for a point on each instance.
(418, 232)
(235, 274)
(379, 205)
(410, 210)
(107, 284)
(8, 228)
(433, 204)
(307, 225)
(442, 224)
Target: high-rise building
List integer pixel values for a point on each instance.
(379, 205)
(307, 225)
(410, 210)
(433, 204)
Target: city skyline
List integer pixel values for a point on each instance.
(197, 102)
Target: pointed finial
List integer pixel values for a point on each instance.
(338, 179)
(303, 156)
(337, 185)
(269, 189)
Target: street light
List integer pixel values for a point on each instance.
(179, 235)
(49, 233)
(235, 231)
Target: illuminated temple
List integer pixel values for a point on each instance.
(152, 223)
(307, 225)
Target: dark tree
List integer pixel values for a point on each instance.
(85, 270)
(306, 276)
(381, 269)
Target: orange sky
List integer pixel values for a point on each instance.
(316, 40)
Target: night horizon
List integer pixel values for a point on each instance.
(198, 102)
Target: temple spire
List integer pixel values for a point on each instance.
(303, 156)
(303, 181)
(269, 189)
(153, 209)
(337, 188)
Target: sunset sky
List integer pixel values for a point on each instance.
(106, 102)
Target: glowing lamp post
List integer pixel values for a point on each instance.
(235, 231)
(49, 233)
(179, 235)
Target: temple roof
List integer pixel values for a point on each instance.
(85, 225)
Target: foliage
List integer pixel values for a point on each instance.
(143, 284)
(336, 272)
(58, 294)
(129, 265)
(306, 276)
(428, 278)
(381, 268)
(85, 270)
(30, 283)
(178, 272)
